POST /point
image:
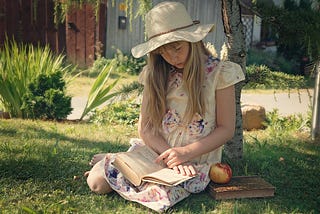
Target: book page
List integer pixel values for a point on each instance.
(166, 177)
(140, 160)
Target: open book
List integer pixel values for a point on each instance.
(139, 165)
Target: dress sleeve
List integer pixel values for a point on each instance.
(230, 74)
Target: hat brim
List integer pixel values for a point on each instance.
(194, 33)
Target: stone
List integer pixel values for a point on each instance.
(253, 117)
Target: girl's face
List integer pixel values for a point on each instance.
(175, 53)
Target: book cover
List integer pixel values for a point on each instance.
(241, 187)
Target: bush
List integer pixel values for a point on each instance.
(272, 60)
(97, 66)
(125, 64)
(20, 66)
(261, 77)
(46, 98)
(124, 112)
(296, 25)
(279, 126)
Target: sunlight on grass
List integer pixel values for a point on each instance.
(81, 86)
(42, 165)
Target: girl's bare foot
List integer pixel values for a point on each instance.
(96, 158)
(86, 174)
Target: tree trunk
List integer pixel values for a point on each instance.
(233, 28)
(315, 126)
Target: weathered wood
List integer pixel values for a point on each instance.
(21, 21)
(100, 44)
(12, 19)
(71, 32)
(90, 35)
(81, 34)
(241, 187)
(3, 21)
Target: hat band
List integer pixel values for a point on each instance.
(175, 29)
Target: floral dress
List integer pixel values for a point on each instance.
(218, 75)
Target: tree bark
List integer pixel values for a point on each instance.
(315, 125)
(233, 28)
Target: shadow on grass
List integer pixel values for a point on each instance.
(34, 152)
(40, 160)
(292, 167)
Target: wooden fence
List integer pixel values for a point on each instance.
(81, 37)
(21, 21)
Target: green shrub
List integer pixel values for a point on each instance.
(20, 65)
(261, 77)
(128, 63)
(97, 66)
(279, 126)
(272, 60)
(46, 98)
(124, 112)
(125, 64)
(296, 26)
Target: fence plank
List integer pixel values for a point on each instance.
(90, 35)
(3, 21)
(12, 19)
(71, 32)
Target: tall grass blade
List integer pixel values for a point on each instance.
(100, 92)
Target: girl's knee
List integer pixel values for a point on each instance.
(98, 184)
(96, 181)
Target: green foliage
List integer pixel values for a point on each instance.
(274, 61)
(261, 77)
(124, 64)
(61, 8)
(281, 126)
(297, 28)
(129, 64)
(100, 92)
(46, 98)
(97, 66)
(20, 65)
(123, 112)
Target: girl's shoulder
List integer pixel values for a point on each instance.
(223, 73)
(211, 64)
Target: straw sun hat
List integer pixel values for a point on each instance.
(169, 22)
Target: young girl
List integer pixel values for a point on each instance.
(187, 111)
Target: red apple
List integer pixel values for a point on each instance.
(220, 173)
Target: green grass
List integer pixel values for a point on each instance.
(42, 165)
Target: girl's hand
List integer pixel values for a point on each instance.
(173, 157)
(185, 169)
(176, 158)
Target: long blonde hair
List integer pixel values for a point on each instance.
(156, 85)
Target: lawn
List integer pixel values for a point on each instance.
(42, 165)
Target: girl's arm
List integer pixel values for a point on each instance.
(224, 131)
(157, 143)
